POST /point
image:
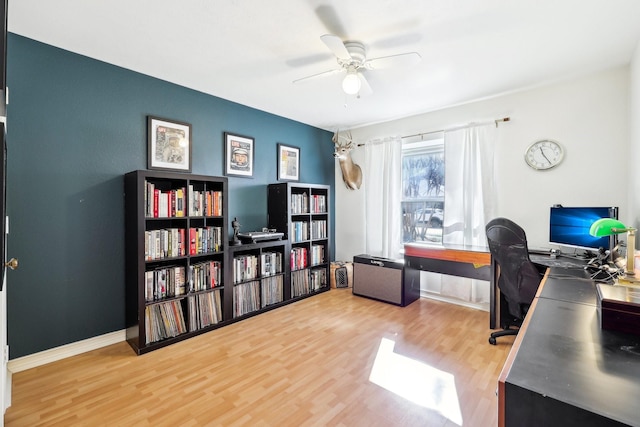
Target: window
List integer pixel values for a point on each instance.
(423, 188)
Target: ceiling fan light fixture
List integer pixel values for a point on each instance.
(351, 83)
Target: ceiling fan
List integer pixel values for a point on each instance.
(352, 59)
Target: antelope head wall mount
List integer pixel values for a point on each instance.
(351, 172)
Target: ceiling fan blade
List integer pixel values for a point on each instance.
(335, 44)
(400, 60)
(322, 74)
(365, 88)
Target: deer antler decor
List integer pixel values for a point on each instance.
(351, 172)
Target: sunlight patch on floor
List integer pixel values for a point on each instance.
(416, 381)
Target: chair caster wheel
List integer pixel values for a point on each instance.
(492, 341)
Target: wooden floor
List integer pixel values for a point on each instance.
(333, 359)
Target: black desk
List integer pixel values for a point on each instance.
(563, 369)
(569, 266)
(567, 263)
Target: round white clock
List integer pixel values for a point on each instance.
(544, 154)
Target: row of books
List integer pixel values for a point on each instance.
(164, 320)
(299, 203)
(318, 203)
(318, 279)
(205, 309)
(245, 267)
(271, 290)
(164, 283)
(168, 282)
(302, 204)
(317, 254)
(205, 203)
(246, 298)
(205, 275)
(164, 243)
(175, 203)
(270, 263)
(171, 242)
(299, 231)
(249, 267)
(298, 258)
(164, 203)
(205, 240)
(319, 229)
(300, 284)
(304, 282)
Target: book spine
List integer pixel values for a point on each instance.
(192, 241)
(156, 201)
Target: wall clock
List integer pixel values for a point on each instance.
(544, 154)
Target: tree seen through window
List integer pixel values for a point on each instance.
(423, 190)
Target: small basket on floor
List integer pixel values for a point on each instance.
(341, 274)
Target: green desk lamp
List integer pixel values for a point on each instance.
(607, 227)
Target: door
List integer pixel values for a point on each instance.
(5, 375)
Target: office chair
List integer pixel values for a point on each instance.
(518, 277)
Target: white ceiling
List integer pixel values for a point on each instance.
(250, 51)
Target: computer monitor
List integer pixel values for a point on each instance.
(569, 226)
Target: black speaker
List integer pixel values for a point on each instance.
(383, 279)
(377, 278)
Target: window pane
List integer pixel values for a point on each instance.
(422, 221)
(423, 175)
(423, 190)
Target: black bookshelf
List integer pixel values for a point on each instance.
(301, 212)
(160, 308)
(176, 241)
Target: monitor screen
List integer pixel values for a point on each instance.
(570, 226)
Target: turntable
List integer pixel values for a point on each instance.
(260, 236)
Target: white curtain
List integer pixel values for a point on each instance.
(469, 187)
(382, 175)
(469, 200)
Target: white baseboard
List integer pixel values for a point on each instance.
(62, 352)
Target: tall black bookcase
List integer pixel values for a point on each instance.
(301, 212)
(176, 241)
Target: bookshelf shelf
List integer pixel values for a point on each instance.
(175, 233)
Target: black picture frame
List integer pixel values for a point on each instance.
(288, 162)
(168, 144)
(239, 155)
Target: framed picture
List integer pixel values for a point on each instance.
(288, 163)
(169, 144)
(239, 155)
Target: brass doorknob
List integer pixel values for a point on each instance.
(12, 263)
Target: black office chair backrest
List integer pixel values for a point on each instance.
(519, 278)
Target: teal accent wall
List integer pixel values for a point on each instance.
(75, 126)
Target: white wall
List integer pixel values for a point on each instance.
(586, 115)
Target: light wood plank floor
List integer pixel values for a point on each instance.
(305, 364)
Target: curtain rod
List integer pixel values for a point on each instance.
(496, 121)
